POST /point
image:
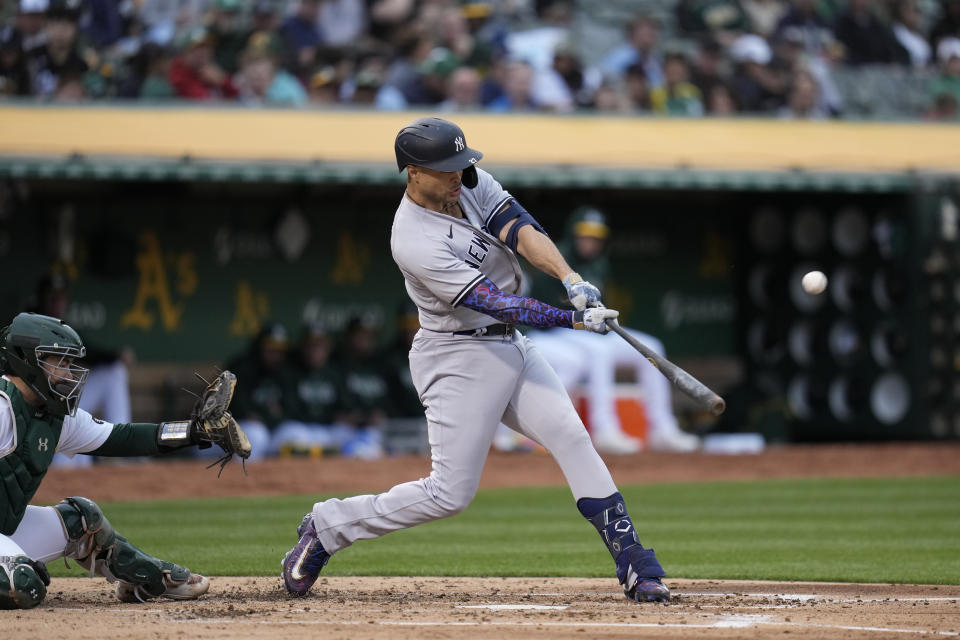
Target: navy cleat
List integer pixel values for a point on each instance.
(638, 569)
(303, 563)
(648, 590)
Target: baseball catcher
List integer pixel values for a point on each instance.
(39, 391)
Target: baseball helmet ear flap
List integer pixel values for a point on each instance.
(469, 178)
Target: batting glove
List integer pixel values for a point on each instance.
(581, 293)
(594, 320)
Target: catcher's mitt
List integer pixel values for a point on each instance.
(211, 423)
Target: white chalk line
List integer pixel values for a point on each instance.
(123, 610)
(780, 596)
(515, 607)
(804, 597)
(741, 621)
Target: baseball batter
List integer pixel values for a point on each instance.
(455, 237)
(39, 392)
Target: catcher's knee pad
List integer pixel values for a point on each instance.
(23, 582)
(97, 547)
(88, 530)
(609, 516)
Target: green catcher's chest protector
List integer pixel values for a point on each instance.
(22, 470)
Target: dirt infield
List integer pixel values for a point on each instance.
(411, 608)
(367, 608)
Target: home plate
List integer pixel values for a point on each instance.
(515, 607)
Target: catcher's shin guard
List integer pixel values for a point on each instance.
(638, 569)
(94, 544)
(194, 586)
(23, 582)
(303, 563)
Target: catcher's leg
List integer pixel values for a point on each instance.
(94, 544)
(23, 581)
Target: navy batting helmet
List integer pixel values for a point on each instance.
(437, 144)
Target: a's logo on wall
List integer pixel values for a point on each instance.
(458, 143)
(352, 259)
(166, 278)
(162, 275)
(42, 444)
(251, 308)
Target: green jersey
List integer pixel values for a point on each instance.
(36, 436)
(318, 395)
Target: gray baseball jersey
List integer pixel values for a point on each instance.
(443, 258)
(468, 384)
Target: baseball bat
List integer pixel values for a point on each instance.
(683, 380)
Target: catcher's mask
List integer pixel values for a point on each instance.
(41, 351)
(437, 144)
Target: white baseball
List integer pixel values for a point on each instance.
(814, 282)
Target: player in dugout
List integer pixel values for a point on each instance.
(456, 236)
(592, 359)
(39, 392)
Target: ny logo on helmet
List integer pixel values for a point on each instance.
(42, 444)
(458, 143)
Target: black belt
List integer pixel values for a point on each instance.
(492, 330)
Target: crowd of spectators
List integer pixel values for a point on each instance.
(718, 57)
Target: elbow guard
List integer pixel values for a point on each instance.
(497, 221)
(513, 211)
(523, 220)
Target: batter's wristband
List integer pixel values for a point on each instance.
(576, 320)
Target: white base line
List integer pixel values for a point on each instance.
(123, 610)
(811, 596)
(515, 607)
(733, 621)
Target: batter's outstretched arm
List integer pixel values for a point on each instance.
(540, 251)
(518, 230)
(488, 299)
(513, 309)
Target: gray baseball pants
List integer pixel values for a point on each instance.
(469, 385)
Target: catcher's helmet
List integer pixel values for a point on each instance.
(27, 341)
(437, 144)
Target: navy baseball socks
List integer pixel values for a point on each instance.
(302, 564)
(638, 569)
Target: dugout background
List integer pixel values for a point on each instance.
(184, 258)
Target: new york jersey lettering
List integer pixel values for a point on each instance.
(478, 249)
